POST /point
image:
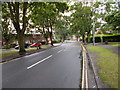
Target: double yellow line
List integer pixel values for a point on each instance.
(84, 69)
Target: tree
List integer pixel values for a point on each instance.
(5, 23)
(81, 20)
(102, 10)
(114, 20)
(62, 28)
(45, 15)
(18, 16)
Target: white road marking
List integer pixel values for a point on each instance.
(60, 51)
(39, 62)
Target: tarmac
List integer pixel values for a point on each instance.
(92, 79)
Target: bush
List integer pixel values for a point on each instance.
(108, 38)
(12, 45)
(114, 38)
(42, 42)
(97, 39)
(55, 41)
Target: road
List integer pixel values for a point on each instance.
(58, 67)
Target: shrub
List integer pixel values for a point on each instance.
(97, 39)
(56, 41)
(12, 45)
(42, 42)
(109, 38)
(114, 38)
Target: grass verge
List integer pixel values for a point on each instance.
(108, 63)
(9, 53)
(12, 53)
(116, 44)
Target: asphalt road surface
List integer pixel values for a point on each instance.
(58, 67)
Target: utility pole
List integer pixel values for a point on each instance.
(93, 29)
(93, 32)
(119, 5)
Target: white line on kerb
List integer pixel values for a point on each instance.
(59, 51)
(39, 62)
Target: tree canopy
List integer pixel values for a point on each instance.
(81, 19)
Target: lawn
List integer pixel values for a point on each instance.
(116, 44)
(108, 63)
(12, 53)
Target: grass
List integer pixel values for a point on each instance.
(105, 35)
(4, 49)
(108, 63)
(9, 53)
(45, 46)
(12, 53)
(31, 49)
(116, 44)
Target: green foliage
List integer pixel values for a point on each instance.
(62, 28)
(109, 38)
(56, 41)
(114, 20)
(45, 16)
(15, 12)
(12, 45)
(81, 19)
(100, 11)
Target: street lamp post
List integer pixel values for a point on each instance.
(93, 29)
(119, 5)
(93, 32)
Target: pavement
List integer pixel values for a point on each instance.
(58, 67)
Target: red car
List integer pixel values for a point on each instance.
(35, 45)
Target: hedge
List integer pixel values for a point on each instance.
(109, 38)
(55, 41)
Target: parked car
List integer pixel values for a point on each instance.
(25, 45)
(35, 45)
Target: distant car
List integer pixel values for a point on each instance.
(35, 45)
(25, 45)
(17, 47)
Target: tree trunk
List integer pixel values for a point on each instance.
(7, 44)
(51, 38)
(51, 35)
(101, 39)
(83, 38)
(63, 38)
(88, 35)
(46, 40)
(21, 44)
(14, 11)
(45, 35)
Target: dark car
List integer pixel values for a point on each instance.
(35, 45)
(25, 45)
